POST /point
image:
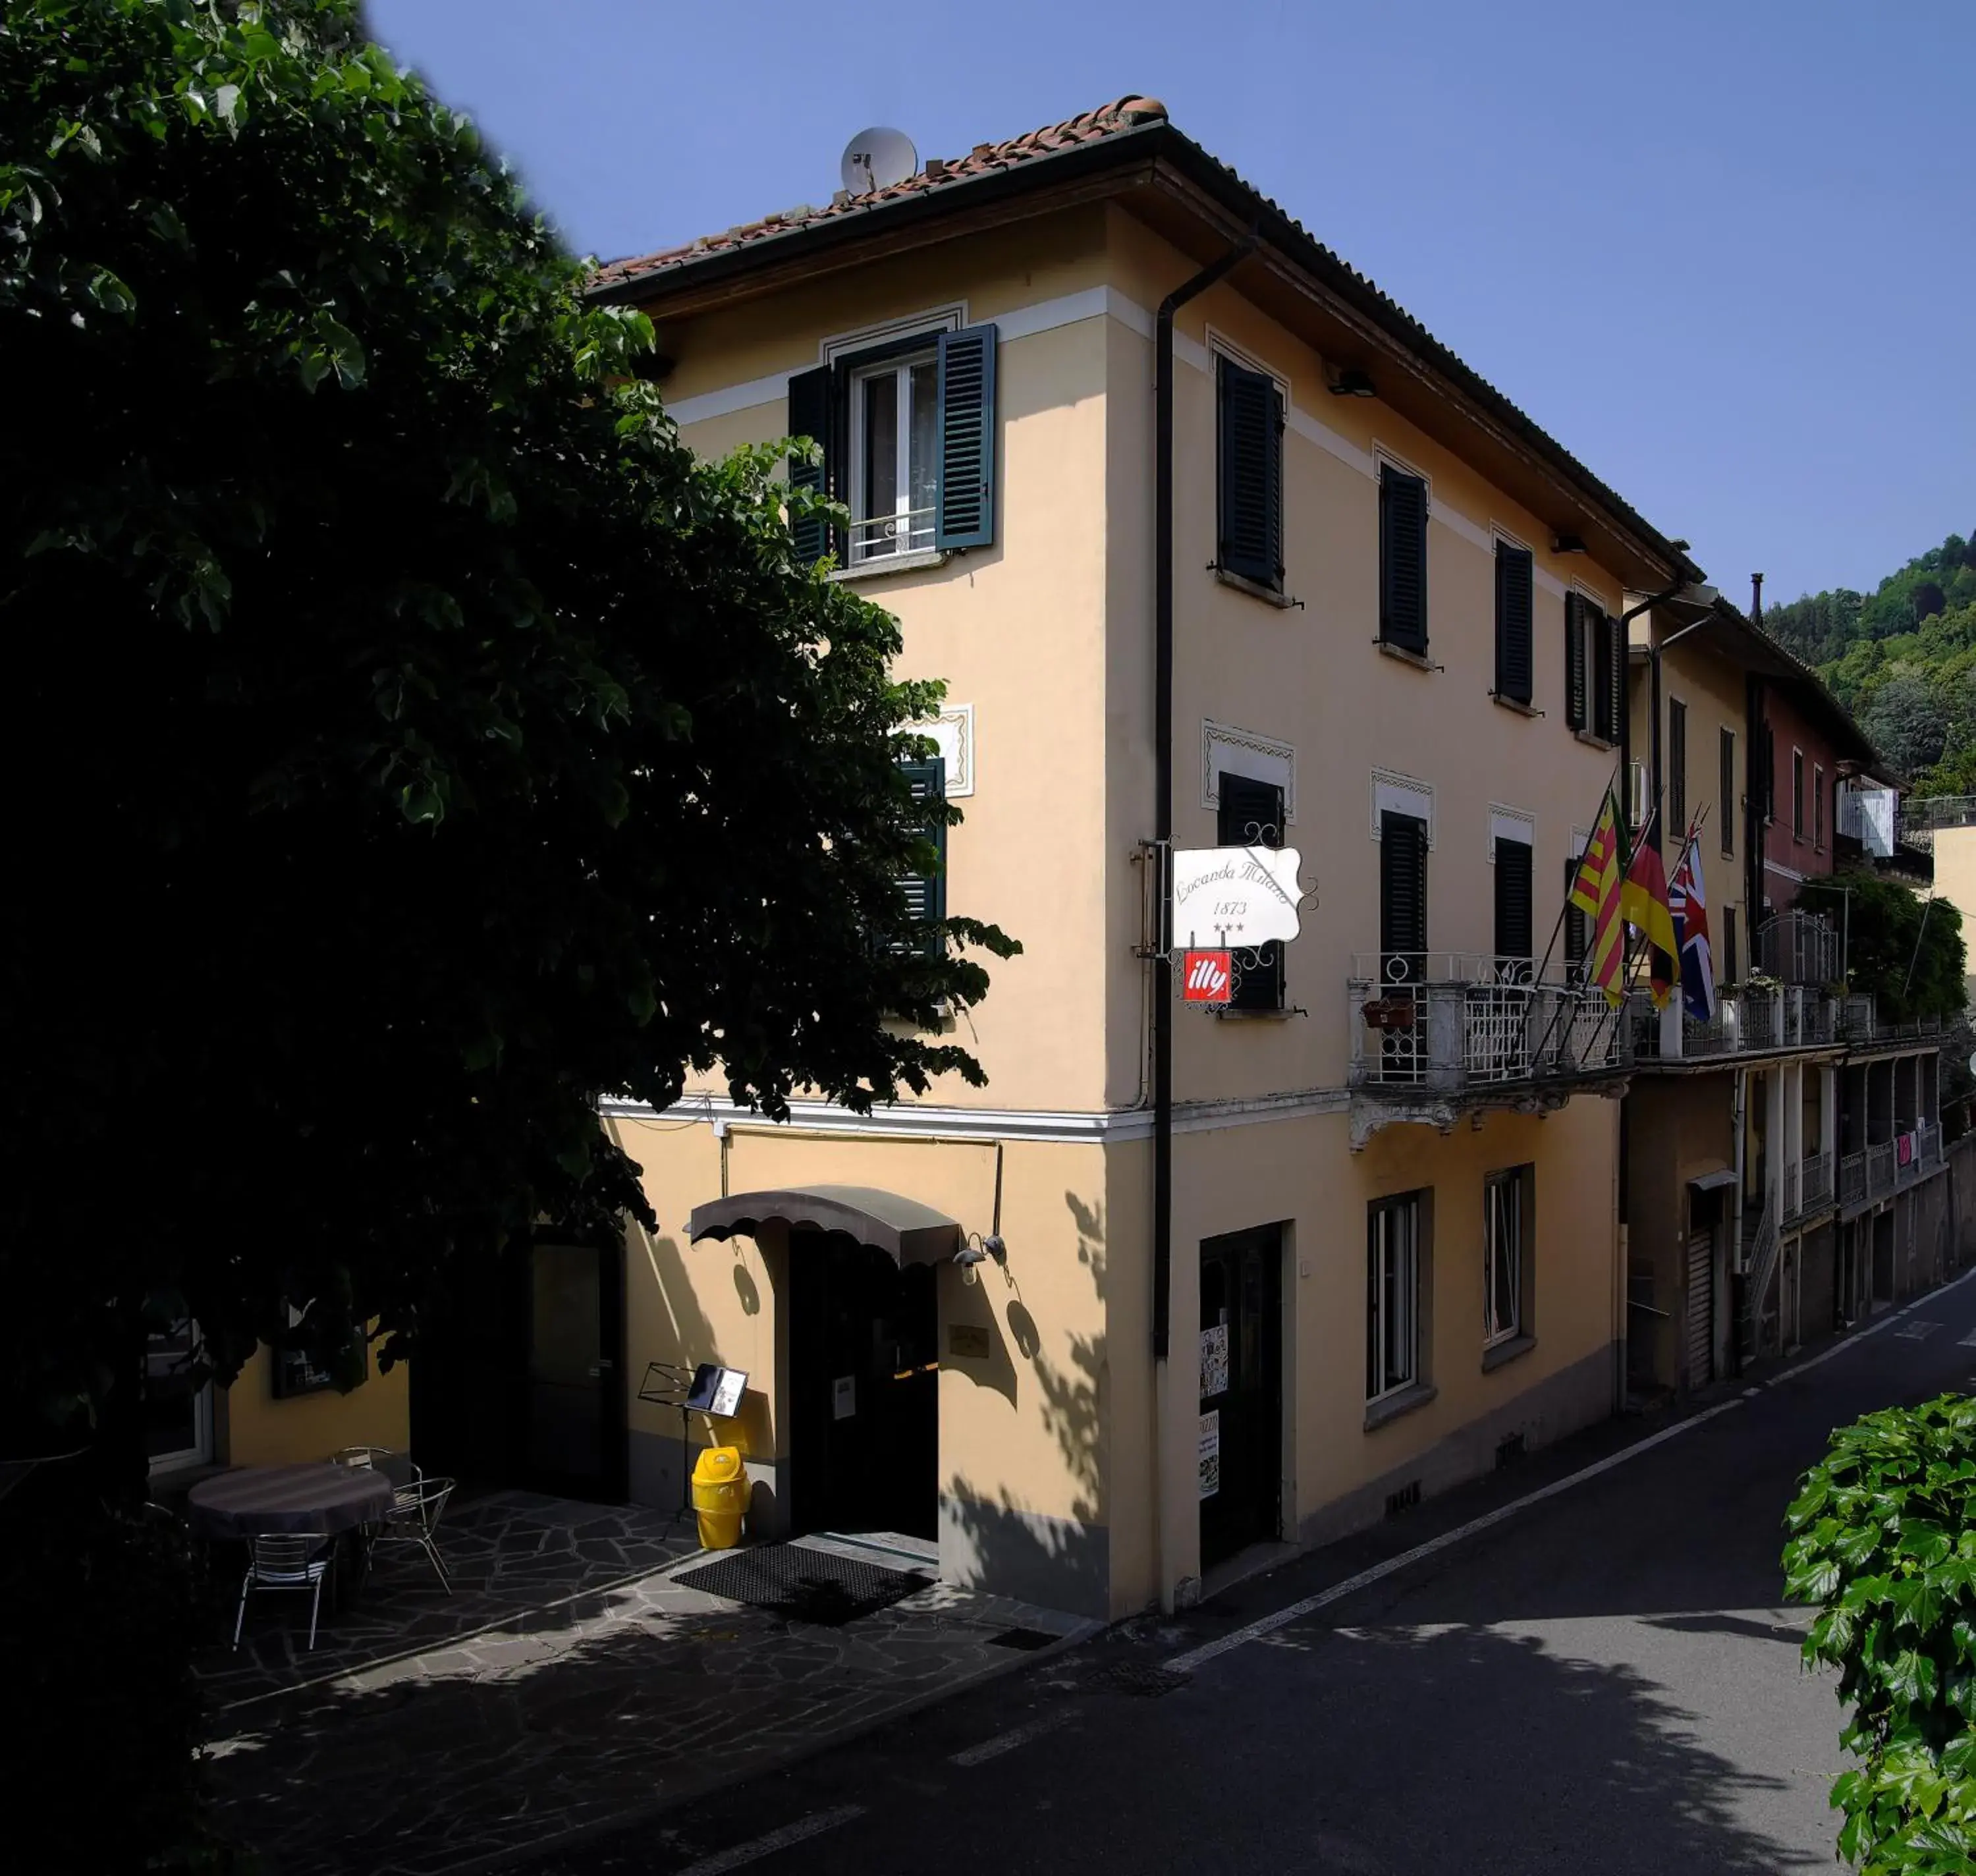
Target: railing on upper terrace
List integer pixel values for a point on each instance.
(1917, 820)
(1759, 1019)
(1445, 1021)
(1887, 1165)
(1798, 948)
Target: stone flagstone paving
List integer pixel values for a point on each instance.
(613, 1690)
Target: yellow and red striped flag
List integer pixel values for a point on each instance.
(1595, 892)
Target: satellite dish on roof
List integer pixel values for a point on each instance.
(877, 158)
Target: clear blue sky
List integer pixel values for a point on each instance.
(1725, 253)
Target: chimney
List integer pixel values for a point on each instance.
(1756, 599)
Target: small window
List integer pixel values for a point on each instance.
(1677, 770)
(1402, 558)
(1402, 896)
(1577, 927)
(893, 463)
(1731, 974)
(1251, 814)
(177, 1398)
(1392, 1296)
(1797, 794)
(1609, 671)
(1515, 587)
(1514, 921)
(1250, 474)
(1818, 807)
(925, 893)
(907, 434)
(1505, 1255)
(1728, 786)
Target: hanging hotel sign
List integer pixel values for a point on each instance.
(1239, 896)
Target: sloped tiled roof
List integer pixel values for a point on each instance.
(1139, 122)
(1123, 113)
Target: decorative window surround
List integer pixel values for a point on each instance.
(1510, 824)
(953, 730)
(1395, 793)
(1225, 749)
(928, 324)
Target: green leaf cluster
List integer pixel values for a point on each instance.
(1907, 949)
(413, 746)
(1903, 659)
(1883, 1542)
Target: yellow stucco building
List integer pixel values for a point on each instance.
(1214, 546)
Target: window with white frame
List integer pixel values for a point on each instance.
(1392, 1296)
(178, 1398)
(894, 455)
(1504, 1247)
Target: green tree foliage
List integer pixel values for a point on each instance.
(1883, 1543)
(1907, 949)
(1903, 659)
(413, 742)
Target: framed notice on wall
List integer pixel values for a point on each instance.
(295, 1372)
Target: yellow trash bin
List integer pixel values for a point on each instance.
(719, 1497)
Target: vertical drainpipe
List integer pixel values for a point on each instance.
(1163, 761)
(1621, 1171)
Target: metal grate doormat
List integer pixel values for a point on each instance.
(1027, 1639)
(805, 1585)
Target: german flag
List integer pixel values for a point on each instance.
(1595, 892)
(1643, 903)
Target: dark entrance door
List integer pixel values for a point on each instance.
(1241, 1391)
(573, 1440)
(864, 1382)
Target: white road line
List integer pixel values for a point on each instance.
(1267, 1625)
(1917, 1331)
(1968, 1341)
(1008, 1742)
(759, 1847)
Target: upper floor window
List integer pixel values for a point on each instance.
(907, 432)
(1594, 668)
(925, 893)
(1676, 770)
(1515, 587)
(1797, 794)
(1402, 558)
(1769, 777)
(1251, 814)
(1514, 920)
(1402, 896)
(1249, 466)
(1728, 784)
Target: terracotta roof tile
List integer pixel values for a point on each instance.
(1123, 113)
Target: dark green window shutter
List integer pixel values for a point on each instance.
(1402, 886)
(926, 894)
(967, 401)
(1251, 458)
(1515, 586)
(1731, 973)
(1402, 558)
(1677, 763)
(1513, 902)
(1574, 661)
(812, 404)
(1251, 814)
(1576, 927)
(1608, 669)
(1769, 774)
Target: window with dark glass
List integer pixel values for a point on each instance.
(1726, 784)
(1677, 770)
(1251, 814)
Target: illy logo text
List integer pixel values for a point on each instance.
(1206, 976)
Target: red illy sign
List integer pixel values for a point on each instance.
(1206, 976)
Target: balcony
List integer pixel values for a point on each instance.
(1748, 1022)
(1797, 948)
(1888, 1166)
(1432, 1032)
(1807, 1186)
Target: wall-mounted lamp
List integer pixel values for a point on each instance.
(1568, 544)
(977, 1251)
(1353, 383)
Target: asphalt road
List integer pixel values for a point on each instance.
(1604, 1680)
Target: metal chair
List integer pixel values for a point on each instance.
(414, 1519)
(281, 1562)
(399, 1468)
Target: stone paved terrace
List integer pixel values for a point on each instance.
(570, 1683)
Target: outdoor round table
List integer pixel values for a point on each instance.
(319, 1498)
